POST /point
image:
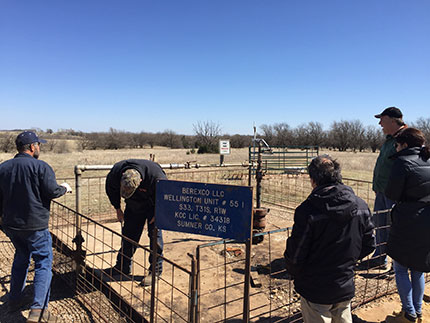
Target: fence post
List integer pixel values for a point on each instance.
(192, 308)
(198, 284)
(154, 270)
(79, 255)
(247, 281)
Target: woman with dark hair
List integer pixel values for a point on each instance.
(409, 239)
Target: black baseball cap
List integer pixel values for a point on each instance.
(391, 112)
(27, 137)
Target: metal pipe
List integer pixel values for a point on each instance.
(83, 168)
(259, 176)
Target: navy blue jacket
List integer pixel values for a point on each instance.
(27, 186)
(144, 197)
(332, 230)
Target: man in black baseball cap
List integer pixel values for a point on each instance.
(391, 121)
(391, 112)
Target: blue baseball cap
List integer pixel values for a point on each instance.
(27, 137)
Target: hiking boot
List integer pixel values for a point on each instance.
(147, 280)
(402, 317)
(39, 315)
(114, 272)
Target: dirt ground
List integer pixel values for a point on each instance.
(70, 309)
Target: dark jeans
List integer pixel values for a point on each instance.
(382, 222)
(134, 222)
(36, 245)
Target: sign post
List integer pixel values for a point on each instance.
(223, 211)
(224, 149)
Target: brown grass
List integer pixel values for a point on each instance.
(354, 165)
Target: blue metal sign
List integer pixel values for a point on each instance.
(223, 211)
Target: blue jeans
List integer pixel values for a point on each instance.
(134, 222)
(382, 221)
(36, 245)
(411, 290)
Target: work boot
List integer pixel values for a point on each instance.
(114, 272)
(147, 280)
(39, 315)
(401, 317)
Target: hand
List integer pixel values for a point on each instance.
(120, 215)
(67, 186)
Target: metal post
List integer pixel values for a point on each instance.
(246, 292)
(153, 272)
(198, 283)
(221, 160)
(79, 254)
(259, 176)
(192, 309)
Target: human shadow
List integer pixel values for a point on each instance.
(60, 290)
(275, 270)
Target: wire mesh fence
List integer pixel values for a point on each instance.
(272, 297)
(89, 250)
(289, 190)
(221, 265)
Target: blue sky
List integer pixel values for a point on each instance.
(139, 65)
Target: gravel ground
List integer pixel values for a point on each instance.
(63, 302)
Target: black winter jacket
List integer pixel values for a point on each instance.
(332, 230)
(27, 186)
(409, 186)
(144, 197)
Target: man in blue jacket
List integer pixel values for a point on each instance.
(134, 180)
(27, 186)
(332, 230)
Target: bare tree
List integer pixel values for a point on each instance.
(374, 137)
(7, 142)
(283, 134)
(340, 135)
(423, 125)
(316, 134)
(207, 136)
(268, 133)
(170, 139)
(357, 137)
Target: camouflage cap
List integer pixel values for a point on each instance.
(130, 181)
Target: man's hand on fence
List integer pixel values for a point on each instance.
(120, 215)
(67, 186)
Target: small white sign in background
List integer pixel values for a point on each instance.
(224, 147)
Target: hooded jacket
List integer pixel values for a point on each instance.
(332, 230)
(409, 186)
(144, 196)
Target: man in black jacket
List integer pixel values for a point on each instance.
(332, 230)
(135, 180)
(27, 186)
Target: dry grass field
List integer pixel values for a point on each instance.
(354, 165)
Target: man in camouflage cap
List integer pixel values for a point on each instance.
(134, 180)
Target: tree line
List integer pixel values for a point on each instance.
(342, 135)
